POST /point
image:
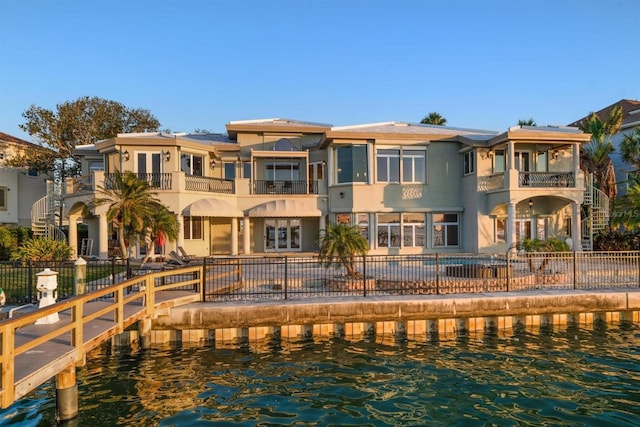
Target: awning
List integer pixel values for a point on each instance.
(212, 207)
(286, 208)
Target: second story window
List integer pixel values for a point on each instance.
(469, 162)
(229, 170)
(499, 161)
(388, 165)
(414, 166)
(191, 164)
(351, 164)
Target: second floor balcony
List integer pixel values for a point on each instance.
(284, 187)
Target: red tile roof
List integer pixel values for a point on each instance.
(627, 105)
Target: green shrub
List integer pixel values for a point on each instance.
(552, 244)
(617, 240)
(44, 249)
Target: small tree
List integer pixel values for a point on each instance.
(339, 246)
(434, 118)
(43, 249)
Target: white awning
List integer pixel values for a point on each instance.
(212, 208)
(286, 208)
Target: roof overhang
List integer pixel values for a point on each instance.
(286, 208)
(212, 208)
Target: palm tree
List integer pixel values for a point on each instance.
(595, 154)
(131, 206)
(630, 148)
(434, 119)
(627, 211)
(340, 244)
(528, 122)
(162, 226)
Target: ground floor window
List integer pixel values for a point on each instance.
(282, 234)
(389, 230)
(446, 228)
(523, 229)
(567, 226)
(413, 230)
(193, 226)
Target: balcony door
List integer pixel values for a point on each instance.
(523, 161)
(149, 167)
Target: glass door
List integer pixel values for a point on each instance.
(282, 235)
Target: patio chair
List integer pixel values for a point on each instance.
(185, 255)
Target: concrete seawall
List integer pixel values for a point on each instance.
(432, 314)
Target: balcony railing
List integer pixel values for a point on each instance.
(546, 179)
(158, 181)
(211, 185)
(285, 187)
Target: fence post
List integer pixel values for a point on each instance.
(437, 274)
(129, 273)
(286, 276)
(575, 270)
(113, 270)
(508, 270)
(203, 279)
(30, 282)
(80, 276)
(364, 275)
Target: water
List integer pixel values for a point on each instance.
(561, 377)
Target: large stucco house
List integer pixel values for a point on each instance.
(273, 185)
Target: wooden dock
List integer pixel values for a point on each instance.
(32, 354)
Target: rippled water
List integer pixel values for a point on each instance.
(567, 377)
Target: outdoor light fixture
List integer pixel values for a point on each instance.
(555, 154)
(341, 195)
(166, 155)
(530, 203)
(487, 154)
(212, 164)
(125, 156)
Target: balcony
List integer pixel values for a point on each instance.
(157, 181)
(210, 185)
(546, 179)
(285, 187)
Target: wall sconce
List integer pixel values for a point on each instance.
(555, 154)
(341, 195)
(125, 156)
(212, 164)
(166, 155)
(530, 204)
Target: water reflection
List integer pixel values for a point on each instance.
(548, 376)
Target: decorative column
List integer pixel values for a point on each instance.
(576, 227)
(234, 236)
(511, 226)
(246, 235)
(103, 233)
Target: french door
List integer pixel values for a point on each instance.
(282, 235)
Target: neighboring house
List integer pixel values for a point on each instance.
(630, 121)
(273, 185)
(20, 188)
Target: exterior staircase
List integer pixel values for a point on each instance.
(597, 214)
(44, 213)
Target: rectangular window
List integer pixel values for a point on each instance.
(343, 218)
(389, 230)
(445, 230)
(193, 226)
(246, 170)
(501, 224)
(567, 226)
(542, 161)
(229, 170)
(414, 166)
(191, 164)
(499, 164)
(413, 229)
(351, 164)
(363, 225)
(388, 165)
(3, 198)
(469, 162)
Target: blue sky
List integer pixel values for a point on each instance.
(200, 64)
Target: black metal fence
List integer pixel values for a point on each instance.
(19, 279)
(282, 277)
